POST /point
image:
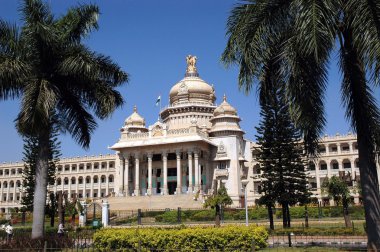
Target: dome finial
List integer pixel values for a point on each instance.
(224, 98)
(135, 108)
(191, 69)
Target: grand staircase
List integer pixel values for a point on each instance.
(185, 201)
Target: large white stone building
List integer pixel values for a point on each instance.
(181, 157)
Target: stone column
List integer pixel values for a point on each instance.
(77, 186)
(150, 156)
(8, 189)
(338, 147)
(179, 173)
(351, 145)
(317, 178)
(137, 175)
(92, 186)
(14, 191)
(105, 214)
(69, 189)
(107, 184)
(352, 168)
(84, 188)
(327, 149)
(165, 165)
(120, 175)
(329, 168)
(190, 160)
(196, 171)
(1, 191)
(99, 185)
(126, 176)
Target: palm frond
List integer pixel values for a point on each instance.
(306, 86)
(75, 119)
(248, 29)
(38, 104)
(81, 62)
(78, 22)
(363, 17)
(315, 27)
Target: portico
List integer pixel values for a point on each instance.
(165, 170)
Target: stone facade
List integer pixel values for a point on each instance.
(191, 149)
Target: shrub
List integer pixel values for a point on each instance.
(227, 238)
(204, 215)
(170, 217)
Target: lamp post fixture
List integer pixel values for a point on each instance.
(244, 183)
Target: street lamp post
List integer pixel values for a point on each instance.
(244, 183)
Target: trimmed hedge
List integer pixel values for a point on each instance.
(227, 238)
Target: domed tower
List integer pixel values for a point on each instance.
(191, 100)
(225, 121)
(134, 123)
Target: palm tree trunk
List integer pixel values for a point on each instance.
(370, 192)
(40, 190)
(360, 104)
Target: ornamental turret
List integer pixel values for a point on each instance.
(225, 121)
(135, 123)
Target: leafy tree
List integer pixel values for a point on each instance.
(338, 190)
(30, 162)
(46, 64)
(218, 201)
(301, 36)
(280, 154)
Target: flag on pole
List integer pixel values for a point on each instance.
(158, 100)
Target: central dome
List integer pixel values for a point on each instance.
(192, 89)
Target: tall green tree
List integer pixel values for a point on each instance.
(218, 201)
(29, 171)
(305, 35)
(338, 190)
(46, 64)
(280, 155)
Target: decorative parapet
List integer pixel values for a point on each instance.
(221, 173)
(156, 132)
(11, 164)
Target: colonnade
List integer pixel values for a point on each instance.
(8, 189)
(193, 168)
(85, 184)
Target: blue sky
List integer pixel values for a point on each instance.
(150, 40)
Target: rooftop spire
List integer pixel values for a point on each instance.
(134, 108)
(224, 98)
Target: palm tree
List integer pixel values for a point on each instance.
(58, 79)
(301, 36)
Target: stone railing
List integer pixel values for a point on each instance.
(181, 104)
(170, 132)
(138, 135)
(182, 131)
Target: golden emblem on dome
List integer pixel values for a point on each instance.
(191, 64)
